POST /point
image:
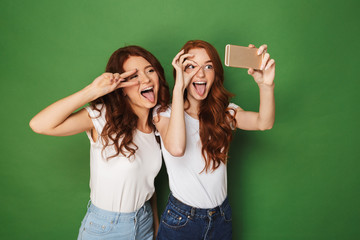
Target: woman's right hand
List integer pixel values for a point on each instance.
(180, 62)
(108, 82)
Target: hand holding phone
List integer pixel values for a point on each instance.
(242, 57)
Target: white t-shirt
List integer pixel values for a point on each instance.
(120, 184)
(187, 181)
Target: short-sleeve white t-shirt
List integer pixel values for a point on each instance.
(122, 184)
(188, 182)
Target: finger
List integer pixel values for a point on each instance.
(194, 73)
(270, 63)
(177, 56)
(262, 49)
(251, 71)
(127, 84)
(188, 61)
(128, 73)
(116, 77)
(265, 61)
(251, 45)
(111, 78)
(183, 57)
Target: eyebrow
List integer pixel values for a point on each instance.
(148, 66)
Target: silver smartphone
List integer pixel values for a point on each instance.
(242, 57)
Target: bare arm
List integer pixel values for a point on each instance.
(58, 119)
(265, 118)
(172, 130)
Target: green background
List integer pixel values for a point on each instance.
(299, 180)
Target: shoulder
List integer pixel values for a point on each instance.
(97, 111)
(161, 111)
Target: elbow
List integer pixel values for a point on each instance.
(35, 127)
(264, 128)
(177, 152)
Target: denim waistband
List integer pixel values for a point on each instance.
(115, 216)
(198, 212)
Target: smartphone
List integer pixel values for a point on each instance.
(242, 57)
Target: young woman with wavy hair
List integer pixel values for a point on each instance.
(124, 154)
(195, 134)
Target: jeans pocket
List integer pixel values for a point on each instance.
(98, 225)
(226, 214)
(174, 219)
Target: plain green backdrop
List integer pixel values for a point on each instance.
(299, 180)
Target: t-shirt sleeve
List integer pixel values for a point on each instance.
(98, 119)
(233, 108)
(232, 111)
(166, 113)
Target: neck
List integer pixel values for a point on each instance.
(192, 107)
(142, 123)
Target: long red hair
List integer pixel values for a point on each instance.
(215, 116)
(121, 121)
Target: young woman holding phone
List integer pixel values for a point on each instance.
(195, 135)
(124, 154)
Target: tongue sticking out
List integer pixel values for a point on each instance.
(149, 95)
(200, 88)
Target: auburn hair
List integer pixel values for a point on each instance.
(121, 121)
(215, 118)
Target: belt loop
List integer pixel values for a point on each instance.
(89, 203)
(192, 212)
(221, 210)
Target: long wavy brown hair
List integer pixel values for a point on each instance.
(121, 121)
(215, 117)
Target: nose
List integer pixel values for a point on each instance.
(201, 73)
(144, 78)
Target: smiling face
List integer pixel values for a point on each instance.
(144, 95)
(202, 81)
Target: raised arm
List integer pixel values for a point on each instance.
(264, 119)
(172, 130)
(59, 118)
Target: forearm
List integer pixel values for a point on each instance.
(55, 114)
(266, 115)
(175, 139)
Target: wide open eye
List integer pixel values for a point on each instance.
(189, 66)
(209, 67)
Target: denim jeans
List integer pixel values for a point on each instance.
(180, 221)
(102, 224)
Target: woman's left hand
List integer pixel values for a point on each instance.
(266, 74)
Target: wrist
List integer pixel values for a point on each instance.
(90, 93)
(266, 86)
(179, 89)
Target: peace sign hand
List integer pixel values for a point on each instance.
(108, 82)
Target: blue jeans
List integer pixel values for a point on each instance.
(180, 221)
(102, 224)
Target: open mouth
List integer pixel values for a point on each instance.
(200, 87)
(148, 93)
